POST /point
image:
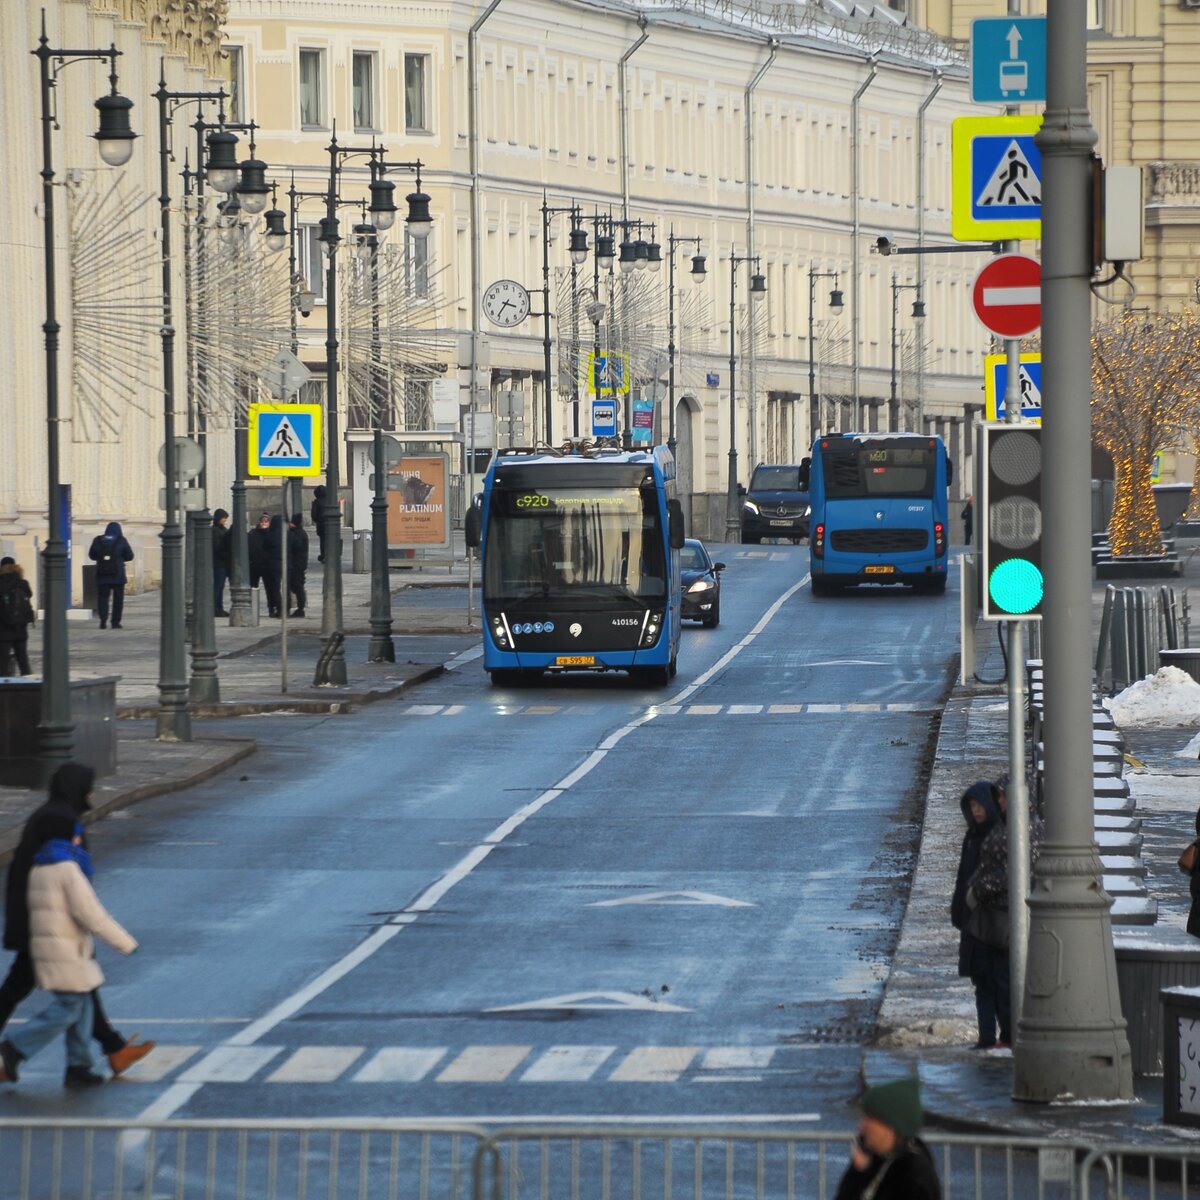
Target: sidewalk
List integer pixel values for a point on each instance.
(429, 627)
(927, 1020)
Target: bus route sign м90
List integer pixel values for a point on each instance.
(1011, 541)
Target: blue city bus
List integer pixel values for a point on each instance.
(879, 511)
(580, 558)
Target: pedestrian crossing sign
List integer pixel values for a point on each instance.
(995, 384)
(285, 439)
(996, 170)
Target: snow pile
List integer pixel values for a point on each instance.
(1191, 750)
(1170, 697)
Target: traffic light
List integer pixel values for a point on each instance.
(1011, 532)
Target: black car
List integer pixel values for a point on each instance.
(776, 504)
(701, 580)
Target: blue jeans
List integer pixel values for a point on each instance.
(70, 1012)
(219, 577)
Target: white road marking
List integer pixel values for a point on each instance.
(654, 1064)
(317, 1064)
(423, 710)
(179, 1094)
(543, 709)
(743, 710)
(624, 1001)
(784, 709)
(452, 710)
(484, 1064)
(672, 898)
(824, 708)
(159, 1063)
(230, 1064)
(567, 1064)
(400, 1064)
(737, 1058)
(703, 710)
(861, 708)
(461, 660)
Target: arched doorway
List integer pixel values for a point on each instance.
(685, 453)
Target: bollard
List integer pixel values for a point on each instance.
(360, 552)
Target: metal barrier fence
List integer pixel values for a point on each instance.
(235, 1160)
(52, 1159)
(648, 1163)
(1135, 625)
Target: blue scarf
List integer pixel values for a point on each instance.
(60, 850)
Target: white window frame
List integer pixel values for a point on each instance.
(321, 121)
(416, 265)
(235, 77)
(372, 123)
(310, 262)
(426, 124)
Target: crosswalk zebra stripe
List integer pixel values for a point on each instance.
(703, 710)
(744, 710)
(160, 1063)
(654, 1064)
(784, 709)
(316, 1064)
(400, 1064)
(726, 1058)
(567, 1064)
(484, 1064)
(230, 1064)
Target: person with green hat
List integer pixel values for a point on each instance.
(887, 1160)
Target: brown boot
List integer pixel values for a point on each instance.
(133, 1051)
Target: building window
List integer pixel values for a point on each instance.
(416, 109)
(363, 84)
(312, 108)
(1095, 14)
(310, 262)
(234, 76)
(416, 265)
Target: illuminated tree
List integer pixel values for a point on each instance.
(1145, 396)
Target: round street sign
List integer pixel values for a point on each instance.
(1007, 295)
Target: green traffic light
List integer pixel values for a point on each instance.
(1016, 586)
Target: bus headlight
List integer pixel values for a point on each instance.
(701, 585)
(750, 507)
(653, 625)
(499, 633)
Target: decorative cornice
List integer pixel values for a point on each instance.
(1174, 183)
(190, 29)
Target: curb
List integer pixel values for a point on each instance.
(238, 748)
(346, 702)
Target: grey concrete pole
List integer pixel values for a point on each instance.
(204, 686)
(1071, 1037)
(240, 613)
(732, 520)
(381, 647)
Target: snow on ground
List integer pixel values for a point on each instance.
(1156, 792)
(1168, 698)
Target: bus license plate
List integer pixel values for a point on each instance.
(880, 569)
(787, 523)
(575, 660)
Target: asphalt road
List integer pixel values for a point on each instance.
(586, 899)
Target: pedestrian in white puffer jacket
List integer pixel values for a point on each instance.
(64, 914)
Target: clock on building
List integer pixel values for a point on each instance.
(506, 303)
(1189, 1065)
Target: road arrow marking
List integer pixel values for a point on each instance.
(594, 1000)
(673, 898)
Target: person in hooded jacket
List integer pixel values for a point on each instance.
(64, 915)
(110, 552)
(16, 615)
(297, 564)
(272, 567)
(887, 1160)
(976, 960)
(222, 553)
(69, 799)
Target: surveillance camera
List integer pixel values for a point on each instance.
(883, 245)
(596, 310)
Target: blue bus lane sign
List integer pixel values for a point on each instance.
(1008, 60)
(285, 439)
(995, 384)
(996, 171)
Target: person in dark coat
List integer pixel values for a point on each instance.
(297, 563)
(16, 615)
(256, 546)
(976, 960)
(968, 516)
(888, 1161)
(110, 552)
(317, 513)
(222, 550)
(1193, 921)
(69, 799)
(272, 568)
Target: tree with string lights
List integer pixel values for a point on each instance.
(1145, 396)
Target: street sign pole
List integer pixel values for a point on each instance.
(1071, 1037)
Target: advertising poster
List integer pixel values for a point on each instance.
(418, 501)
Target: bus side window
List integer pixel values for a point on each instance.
(949, 471)
(675, 529)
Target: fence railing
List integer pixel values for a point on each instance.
(53, 1159)
(1135, 625)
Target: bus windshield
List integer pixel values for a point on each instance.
(575, 544)
(855, 472)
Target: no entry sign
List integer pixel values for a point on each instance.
(1007, 295)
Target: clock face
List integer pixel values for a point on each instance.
(506, 303)
(1189, 1066)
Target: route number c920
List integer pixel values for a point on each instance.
(533, 500)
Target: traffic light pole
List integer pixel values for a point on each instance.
(1071, 1037)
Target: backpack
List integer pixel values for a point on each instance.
(15, 610)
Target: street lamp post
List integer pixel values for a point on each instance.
(698, 274)
(918, 312)
(174, 719)
(836, 304)
(758, 285)
(115, 141)
(602, 260)
(578, 251)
